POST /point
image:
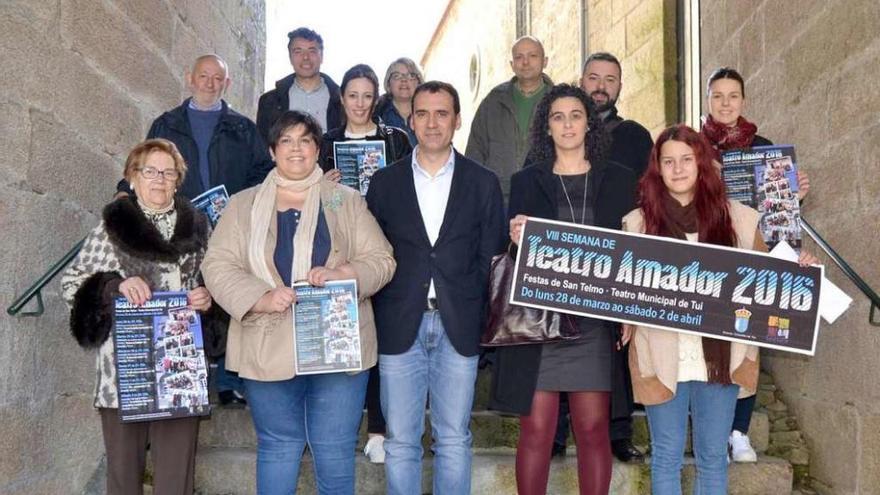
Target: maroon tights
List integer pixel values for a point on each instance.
(590, 413)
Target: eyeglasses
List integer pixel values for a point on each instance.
(404, 76)
(152, 174)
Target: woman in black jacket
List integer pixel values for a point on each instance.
(359, 93)
(726, 129)
(568, 181)
(360, 89)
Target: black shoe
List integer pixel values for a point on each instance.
(558, 450)
(231, 398)
(625, 451)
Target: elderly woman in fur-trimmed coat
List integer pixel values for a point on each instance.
(149, 242)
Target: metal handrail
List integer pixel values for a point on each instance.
(35, 289)
(847, 270)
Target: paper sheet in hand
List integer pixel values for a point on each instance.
(832, 300)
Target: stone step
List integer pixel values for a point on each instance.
(222, 471)
(229, 427)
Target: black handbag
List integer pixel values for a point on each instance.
(512, 324)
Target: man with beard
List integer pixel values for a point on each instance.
(631, 142)
(631, 147)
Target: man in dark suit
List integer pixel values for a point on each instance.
(443, 215)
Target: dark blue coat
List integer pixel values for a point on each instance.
(238, 156)
(472, 233)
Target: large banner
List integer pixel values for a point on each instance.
(161, 371)
(701, 289)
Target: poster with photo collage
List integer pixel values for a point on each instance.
(161, 368)
(765, 178)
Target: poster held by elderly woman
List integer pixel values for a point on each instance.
(160, 359)
(701, 289)
(327, 328)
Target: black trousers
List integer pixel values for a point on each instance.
(375, 419)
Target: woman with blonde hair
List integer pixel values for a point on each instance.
(395, 106)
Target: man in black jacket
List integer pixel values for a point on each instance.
(220, 147)
(631, 142)
(631, 147)
(443, 215)
(307, 89)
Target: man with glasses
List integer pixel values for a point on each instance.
(220, 147)
(308, 89)
(499, 137)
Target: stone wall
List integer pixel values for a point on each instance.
(471, 54)
(639, 32)
(82, 80)
(812, 70)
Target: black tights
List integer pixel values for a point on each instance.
(590, 412)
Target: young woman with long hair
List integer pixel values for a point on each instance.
(567, 180)
(681, 195)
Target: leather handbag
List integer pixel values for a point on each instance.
(512, 324)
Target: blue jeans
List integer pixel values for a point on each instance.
(226, 380)
(323, 411)
(711, 407)
(430, 366)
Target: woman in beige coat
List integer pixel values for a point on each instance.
(296, 227)
(681, 195)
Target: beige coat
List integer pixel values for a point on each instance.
(261, 345)
(653, 353)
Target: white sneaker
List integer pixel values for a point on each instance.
(740, 448)
(375, 449)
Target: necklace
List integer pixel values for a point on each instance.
(567, 198)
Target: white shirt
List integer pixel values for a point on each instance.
(433, 194)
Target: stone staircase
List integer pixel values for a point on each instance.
(227, 459)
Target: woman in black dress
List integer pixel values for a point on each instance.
(569, 181)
